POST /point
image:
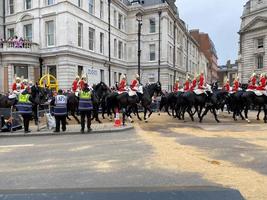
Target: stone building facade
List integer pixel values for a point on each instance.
(208, 48)
(227, 71)
(253, 40)
(70, 37)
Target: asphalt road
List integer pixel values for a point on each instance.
(159, 153)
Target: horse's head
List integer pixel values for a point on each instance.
(101, 89)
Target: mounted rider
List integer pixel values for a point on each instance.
(122, 84)
(226, 86)
(17, 86)
(236, 85)
(201, 81)
(82, 82)
(262, 85)
(75, 84)
(135, 83)
(176, 85)
(187, 84)
(252, 82)
(194, 84)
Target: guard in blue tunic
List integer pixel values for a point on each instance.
(85, 107)
(24, 107)
(60, 110)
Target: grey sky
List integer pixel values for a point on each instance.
(219, 18)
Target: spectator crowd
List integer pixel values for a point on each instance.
(15, 42)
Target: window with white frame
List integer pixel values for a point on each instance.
(28, 4)
(260, 43)
(50, 2)
(115, 48)
(80, 34)
(115, 18)
(125, 51)
(50, 33)
(120, 21)
(27, 29)
(91, 39)
(260, 61)
(80, 3)
(152, 52)
(21, 71)
(120, 50)
(11, 7)
(10, 32)
(101, 43)
(152, 24)
(101, 9)
(91, 6)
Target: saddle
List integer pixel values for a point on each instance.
(12, 96)
(199, 91)
(132, 93)
(258, 92)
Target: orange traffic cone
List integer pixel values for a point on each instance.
(117, 119)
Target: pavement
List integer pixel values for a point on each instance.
(162, 152)
(71, 130)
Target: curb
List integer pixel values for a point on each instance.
(34, 134)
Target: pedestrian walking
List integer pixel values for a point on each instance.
(24, 107)
(60, 110)
(85, 107)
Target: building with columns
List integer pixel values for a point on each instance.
(253, 40)
(71, 37)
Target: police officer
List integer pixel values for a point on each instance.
(24, 107)
(85, 107)
(60, 110)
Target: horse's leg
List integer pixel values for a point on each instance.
(75, 117)
(137, 113)
(96, 116)
(204, 113)
(145, 111)
(258, 115)
(167, 109)
(189, 111)
(215, 114)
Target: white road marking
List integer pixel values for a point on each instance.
(15, 146)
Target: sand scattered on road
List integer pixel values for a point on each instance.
(170, 155)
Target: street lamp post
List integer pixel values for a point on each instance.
(109, 47)
(159, 60)
(139, 19)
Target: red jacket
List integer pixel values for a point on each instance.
(74, 85)
(194, 84)
(201, 82)
(262, 84)
(122, 86)
(14, 86)
(235, 86)
(186, 86)
(252, 84)
(134, 85)
(176, 87)
(227, 86)
(81, 84)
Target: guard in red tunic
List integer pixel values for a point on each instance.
(201, 81)
(227, 86)
(236, 85)
(253, 80)
(176, 86)
(262, 85)
(187, 84)
(135, 83)
(122, 85)
(194, 84)
(17, 85)
(82, 83)
(75, 84)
